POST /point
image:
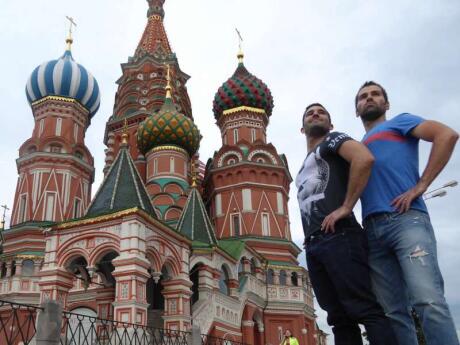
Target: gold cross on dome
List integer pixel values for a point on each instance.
(69, 39)
(240, 51)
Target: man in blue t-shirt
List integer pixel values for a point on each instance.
(402, 246)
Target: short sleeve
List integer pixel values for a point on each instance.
(406, 122)
(335, 140)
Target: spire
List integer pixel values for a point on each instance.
(194, 221)
(154, 39)
(69, 39)
(125, 135)
(240, 54)
(156, 8)
(168, 87)
(121, 189)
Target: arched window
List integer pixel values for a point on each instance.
(270, 276)
(282, 277)
(253, 266)
(223, 281)
(27, 268)
(13, 268)
(294, 279)
(3, 270)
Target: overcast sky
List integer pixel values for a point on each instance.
(305, 51)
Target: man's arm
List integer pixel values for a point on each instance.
(443, 139)
(361, 161)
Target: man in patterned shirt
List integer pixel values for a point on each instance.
(329, 184)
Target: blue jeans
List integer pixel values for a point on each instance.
(338, 269)
(405, 274)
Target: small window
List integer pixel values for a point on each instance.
(225, 139)
(49, 211)
(223, 281)
(27, 268)
(253, 266)
(171, 165)
(75, 132)
(253, 134)
(294, 279)
(235, 135)
(55, 148)
(3, 270)
(231, 161)
(22, 208)
(265, 225)
(235, 219)
(270, 276)
(79, 155)
(13, 268)
(218, 204)
(155, 166)
(42, 125)
(77, 208)
(58, 126)
(282, 277)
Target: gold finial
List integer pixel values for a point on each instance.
(2, 224)
(193, 172)
(240, 54)
(168, 82)
(69, 39)
(125, 135)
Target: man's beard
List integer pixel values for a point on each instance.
(316, 131)
(372, 114)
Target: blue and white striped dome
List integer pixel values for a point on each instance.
(64, 77)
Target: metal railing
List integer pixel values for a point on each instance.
(80, 329)
(21, 324)
(17, 323)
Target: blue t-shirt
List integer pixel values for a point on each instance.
(395, 169)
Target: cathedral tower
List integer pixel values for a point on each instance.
(141, 88)
(55, 167)
(247, 182)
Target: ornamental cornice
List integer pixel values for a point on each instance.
(167, 147)
(31, 157)
(61, 99)
(243, 108)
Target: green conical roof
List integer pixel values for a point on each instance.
(194, 221)
(121, 189)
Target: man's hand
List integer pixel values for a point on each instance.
(403, 202)
(328, 224)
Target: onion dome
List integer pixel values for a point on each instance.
(168, 127)
(242, 89)
(66, 78)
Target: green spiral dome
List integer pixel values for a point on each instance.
(168, 127)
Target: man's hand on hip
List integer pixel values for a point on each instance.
(328, 224)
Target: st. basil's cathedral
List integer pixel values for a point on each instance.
(166, 241)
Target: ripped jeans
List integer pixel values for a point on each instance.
(405, 273)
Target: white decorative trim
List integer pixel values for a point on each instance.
(220, 162)
(265, 153)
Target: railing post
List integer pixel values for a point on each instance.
(49, 321)
(195, 335)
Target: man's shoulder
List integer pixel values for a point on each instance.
(335, 139)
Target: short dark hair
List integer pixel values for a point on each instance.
(370, 83)
(312, 105)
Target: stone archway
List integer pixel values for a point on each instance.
(155, 298)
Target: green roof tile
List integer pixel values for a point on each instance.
(121, 189)
(194, 221)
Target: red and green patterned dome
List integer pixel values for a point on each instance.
(243, 89)
(168, 127)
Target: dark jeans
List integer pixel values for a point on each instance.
(338, 269)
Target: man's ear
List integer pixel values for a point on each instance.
(302, 130)
(387, 106)
(331, 127)
(356, 112)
